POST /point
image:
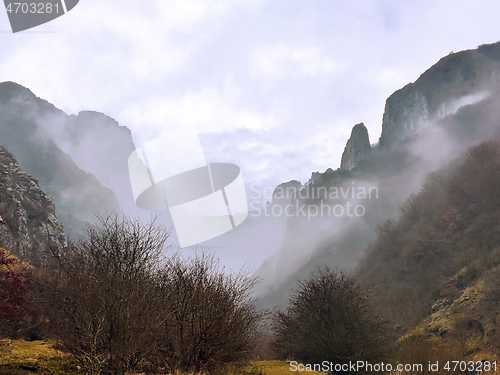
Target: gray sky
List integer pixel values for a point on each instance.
(281, 83)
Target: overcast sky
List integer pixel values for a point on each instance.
(275, 85)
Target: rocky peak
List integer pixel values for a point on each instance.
(314, 176)
(99, 145)
(28, 225)
(357, 147)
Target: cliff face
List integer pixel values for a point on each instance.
(28, 225)
(456, 77)
(357, 147)
(76, 194)
(405, 111)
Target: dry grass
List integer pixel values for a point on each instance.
(268, 368)
(42, 357)
(28, 351)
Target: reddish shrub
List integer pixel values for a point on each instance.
(15, 303)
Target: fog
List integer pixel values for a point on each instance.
(285, 241)
(276, 240)
(274, 87)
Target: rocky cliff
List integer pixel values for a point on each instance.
(285, 191)
(456, 79)
(28, 224)
(357, 147)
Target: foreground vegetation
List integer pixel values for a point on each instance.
(118, 301)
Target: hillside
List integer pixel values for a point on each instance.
(435, 270)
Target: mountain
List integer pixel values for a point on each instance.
(28, 225)
(77, 195)
(426, 124)
(284, 192)
(84, 169)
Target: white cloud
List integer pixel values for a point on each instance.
(289, 61)
(211, 110)
(103, 51)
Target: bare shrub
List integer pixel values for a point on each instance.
(17, 310)
(329, 319)
(103, 298)
(116, 301)
(211, 318)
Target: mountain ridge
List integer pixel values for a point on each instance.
(420, 132)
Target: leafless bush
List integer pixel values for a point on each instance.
(115, 300)
(104, 299)
(211, 318)
(330, 319)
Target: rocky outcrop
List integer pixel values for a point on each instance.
(405, 112)
(314, 176)
(29, 226)
(357, 147)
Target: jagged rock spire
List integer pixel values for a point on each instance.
(357, 147)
